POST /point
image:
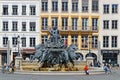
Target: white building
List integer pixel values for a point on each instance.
(109, 30)
(18, 18)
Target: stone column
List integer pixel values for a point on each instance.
(0, 59)
(49, 21)
(89, 60)
(11, 56)
(69, 39)
(59, 23)
(18, 61)
(69, 21)
(79, 41)
(89, 22)
(118, 58)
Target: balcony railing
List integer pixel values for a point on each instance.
(44, 28)
(94, 28)
(94, 45)
(84, 45)
(15, 45)
(4, 45)
(73, 28)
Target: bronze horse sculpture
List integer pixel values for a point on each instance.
(55, 51)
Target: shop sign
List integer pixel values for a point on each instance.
(110, 51)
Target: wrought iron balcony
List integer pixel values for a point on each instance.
(73, 28)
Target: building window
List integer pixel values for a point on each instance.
(114, 41)
(32, 10)
(114, 24)
(32, 42)
(106, 41)
(64, 5)
(55, 5)
(44, 39)
(5, 9)
(84, 41)
(5, 41)
(105, 24)
(94, 23)
(32, 26)
(94, 41)
(95, 5)
(84, 23)
(5, 25)
(14, 10)
(44, 5)
(74, 39)
(106, 8)
(64, 23)
(74, 5)
(115, 8)
(74, 23)
(84, 5)
(54, 22)
(14, 41)
(23, 26)
(110, 57)
(14, 26)
(23, 39)
(65, 39)
(44, 23)
(23, 10)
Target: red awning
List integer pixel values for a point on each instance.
(28, 51)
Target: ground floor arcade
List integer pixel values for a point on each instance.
(104, 56)
(25, 53)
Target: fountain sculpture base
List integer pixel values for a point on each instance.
(27, 66)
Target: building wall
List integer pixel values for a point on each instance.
(109, 32)
(19, 18)
(71, 15)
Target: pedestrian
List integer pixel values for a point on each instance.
(86, 69)
(107, 68)
(91, 64)
(12, 66)
(98, 64)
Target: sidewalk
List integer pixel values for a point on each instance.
(60, 73)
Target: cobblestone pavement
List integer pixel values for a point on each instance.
(115, 75)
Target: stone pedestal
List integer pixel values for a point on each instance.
(18, 61)
(89, 61)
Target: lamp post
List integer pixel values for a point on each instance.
(18, 42)
(99, 51)
(89, 57)
(18, 58)
(89, 42)
(8, 52)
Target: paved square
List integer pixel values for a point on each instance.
(115, 75)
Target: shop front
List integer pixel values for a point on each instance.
(110, 56)
(26, 53)
(3, 56)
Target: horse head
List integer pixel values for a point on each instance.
(40, 47)
(73, 47)
(71, 51)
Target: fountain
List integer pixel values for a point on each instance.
(54, 55)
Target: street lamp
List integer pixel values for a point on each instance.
(18, 42)
(18, 58)
(89, 42)
(8, 52)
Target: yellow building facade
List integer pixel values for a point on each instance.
(77, 27)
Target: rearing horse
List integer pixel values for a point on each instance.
(38, 54)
